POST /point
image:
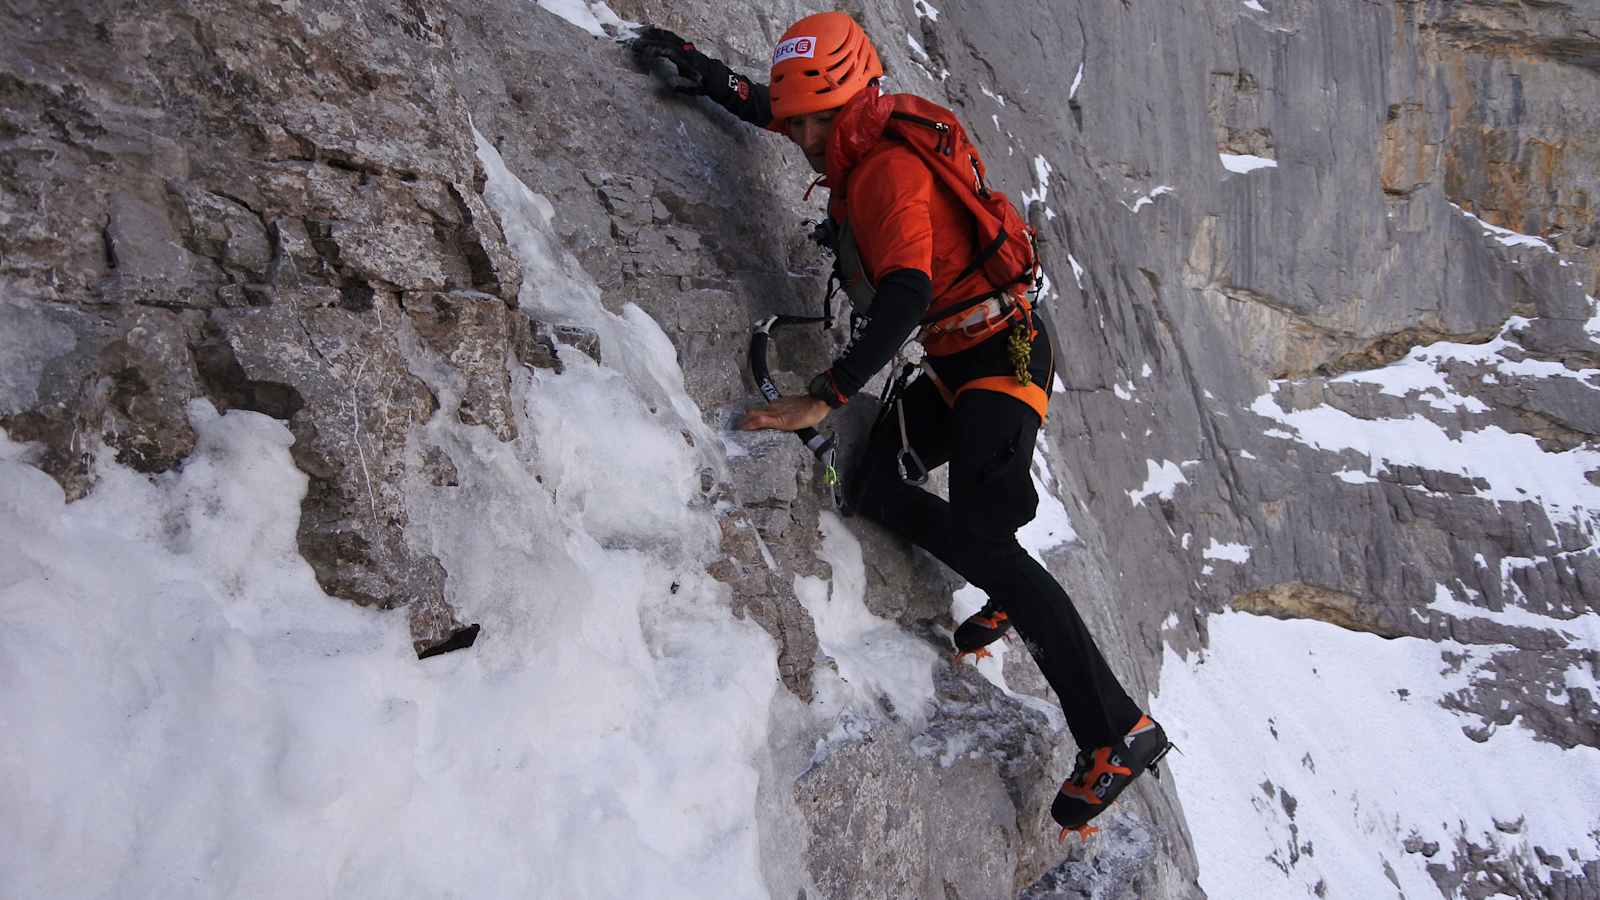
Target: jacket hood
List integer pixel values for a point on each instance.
(858, 128)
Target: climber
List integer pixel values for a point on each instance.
(905, 222)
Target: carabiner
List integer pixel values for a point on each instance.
(918, 475)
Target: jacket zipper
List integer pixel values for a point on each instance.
(946, 142)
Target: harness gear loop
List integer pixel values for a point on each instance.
(938, 383)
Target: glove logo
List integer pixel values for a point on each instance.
(795, 48)
(740, 86)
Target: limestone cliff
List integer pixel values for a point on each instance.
(276, 205)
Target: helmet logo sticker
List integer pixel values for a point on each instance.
(795, 48)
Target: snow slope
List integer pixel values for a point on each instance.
(1312, 755)
(186, 714)
(1318, 761)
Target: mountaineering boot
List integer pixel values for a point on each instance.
(1101, 774)
(981, 629)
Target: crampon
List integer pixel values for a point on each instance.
(1084, 832)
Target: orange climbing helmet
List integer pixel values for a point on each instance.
(822, 61)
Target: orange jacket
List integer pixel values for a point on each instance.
(902, 219)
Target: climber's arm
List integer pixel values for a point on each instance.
(702, 75)
(890, 205)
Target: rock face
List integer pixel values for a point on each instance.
(252, 206)
(277, 207)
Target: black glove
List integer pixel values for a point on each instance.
(695, 69)
(699, 74)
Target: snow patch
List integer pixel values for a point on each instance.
(1584, 628)
(1506, 236)
(1162, 482)
(924, 61)
(1041, 190)
(1511, 467)
(595, 18)
(1235, 553)
(1149, 198)
(1051, 525)
(1421, 371)
(917, 48)
(1244, 164)
(1077, 82)
(876, 657)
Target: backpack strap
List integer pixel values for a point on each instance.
(852, 271)
(983, 254)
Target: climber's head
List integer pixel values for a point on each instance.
(820, 64)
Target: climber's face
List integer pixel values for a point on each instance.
(811, 131)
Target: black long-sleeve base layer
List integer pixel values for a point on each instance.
(988, 440)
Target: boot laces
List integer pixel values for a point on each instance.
(1080, 767)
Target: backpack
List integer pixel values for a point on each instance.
(1005, 249)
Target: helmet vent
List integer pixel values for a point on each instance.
(832, 60)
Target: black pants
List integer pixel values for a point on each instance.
(988, 439)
